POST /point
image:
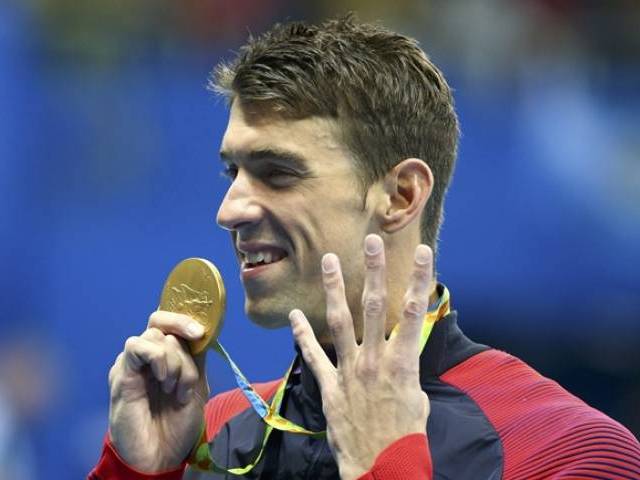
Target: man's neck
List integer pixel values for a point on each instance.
(394, 318)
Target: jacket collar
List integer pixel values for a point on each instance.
(447, 346)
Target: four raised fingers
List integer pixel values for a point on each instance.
(416, 302)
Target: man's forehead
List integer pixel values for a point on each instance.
(249, 132)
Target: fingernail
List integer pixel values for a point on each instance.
(373, 244)
(294, 315)
(423, 254)
(194, 329)
(329, 263)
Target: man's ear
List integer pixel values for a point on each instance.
(407, 188)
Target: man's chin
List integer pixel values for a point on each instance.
(267, 317)
(270, 323)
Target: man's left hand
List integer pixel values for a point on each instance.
(373, 396)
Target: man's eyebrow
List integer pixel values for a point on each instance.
(265, 154)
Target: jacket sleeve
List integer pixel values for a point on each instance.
(408, 458)
(602, 449)
(112, 467)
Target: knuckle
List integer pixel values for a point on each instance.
(339, 321)
(189, 377)
(373, 262)
(131, 344)
(334, 317)
(414, 308)
(332, 281)
(308, 356)
(422, 274)
(297, 333)
(336, 329)
(300, 329)
(367, 370)
(172, 342)
(153, 319)
(158, 357)
(403, 368)
(374, 303)
(152, 333)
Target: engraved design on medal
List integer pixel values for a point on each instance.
(194, 288)
(190, 301)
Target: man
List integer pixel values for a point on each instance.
(340, 145)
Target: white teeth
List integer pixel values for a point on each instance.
(255, 257)
(261, 257)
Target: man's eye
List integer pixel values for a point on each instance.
(276, 176)
(230, 172)
(278, 173)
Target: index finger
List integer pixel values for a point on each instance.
(176, 324)
(183, 327)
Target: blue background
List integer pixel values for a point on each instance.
(109, 175)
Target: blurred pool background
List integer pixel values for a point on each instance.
(109, 176)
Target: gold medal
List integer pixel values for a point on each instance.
(195, 288)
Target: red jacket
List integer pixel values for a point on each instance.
(492, 417)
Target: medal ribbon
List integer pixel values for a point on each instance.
(269, 413)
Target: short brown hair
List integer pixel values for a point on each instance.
(391, 102)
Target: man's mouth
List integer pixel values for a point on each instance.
(255, 257)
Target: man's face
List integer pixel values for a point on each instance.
(294, 196)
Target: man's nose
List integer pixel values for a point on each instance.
(239, 207)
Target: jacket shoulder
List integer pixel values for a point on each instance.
(545, 430)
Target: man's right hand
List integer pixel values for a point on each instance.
(158, 393)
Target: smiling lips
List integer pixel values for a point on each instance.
(259, 255)
(255, 263)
